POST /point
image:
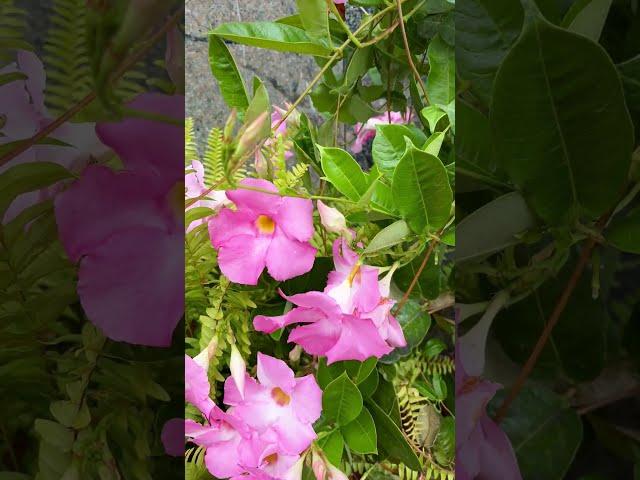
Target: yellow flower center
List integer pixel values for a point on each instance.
(280, 397)
(353, 274)
(271, 459)
(265, 224)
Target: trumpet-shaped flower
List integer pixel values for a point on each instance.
(279, 402)
(264, 230)
(483, 450)
(367, 131)
(237, 443)
(195, 188)
(327, 331)
(124, 227)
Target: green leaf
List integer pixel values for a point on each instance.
(14, 476)
(389, 145)
(386, 398)
(415, 325)
(433, 114)
(358, 66)
(332, 445)
(421, 190)
(441, 82)
(434, 143)
(343, 172)
(360, 434)
(444, 448)
(624, 232)
(28, 177)
(197, 213)
(259, 104)
(485, 31)
(389, 236)
(342, 401)
(369, 385)
(587, 17)
(356, 371)
(561, 175)
(54, 434)
(493, 227)
(429, 282)
(225, 70)
(544, 432)
(391, 441)
(315, 18)
(271, 35)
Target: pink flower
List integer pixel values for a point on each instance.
(354, 304)
(483, 450)
(366, 131)
(124, 228)
(23, 114)
(278, 402)
(240, 445)
(195, 187)
(265, 229)
(327, 331)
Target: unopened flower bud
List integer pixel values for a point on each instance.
(319, 466)
(238, 369)
(250, 136)
(332, 220)
(205, 355)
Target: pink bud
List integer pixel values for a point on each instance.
(332, 220)
(238, 369)
(295, 472)
(205, 355)
(319, 466)
(335, 474)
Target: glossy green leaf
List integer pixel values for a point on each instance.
(421, 190)
(389, 145)
(315, 18)
(561, 175)
(342, 401)
(624, 232)
(444, 448)
(485, 31)
(343, 172)
(271, 35)
(28, 177)
(389, 236)
(587, 17)
(391, 441)
(369, 385)
(544, 432)
(493, 227)
(433, 114)
(441, 82)
(360, 434)
(332, 445)
(226, 72)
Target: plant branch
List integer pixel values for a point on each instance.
(561, 304)
(91, 96)
(405, 40)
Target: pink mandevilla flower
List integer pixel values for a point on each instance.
(264, 230)
(355, 304)
(124, 227)
(366, 131)
(195, 188)
(483, 450)
(263, 433)
(23, 114)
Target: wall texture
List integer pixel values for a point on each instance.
(285, 75)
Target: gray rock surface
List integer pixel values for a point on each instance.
(286, 75)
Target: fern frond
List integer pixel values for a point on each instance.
(13, 26)
(290, 179)
(190, 147)
(213, 159)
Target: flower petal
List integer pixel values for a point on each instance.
(295, 218)
(316, 338)
(229, 224)
(307, 399)
(273, 372)
(259, 202)
(242, 259)
(288, 258)
(131, 286)
(369, 343)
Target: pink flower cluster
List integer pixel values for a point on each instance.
(264, 230)
(354, 304)
(268, 425)
(196, 188)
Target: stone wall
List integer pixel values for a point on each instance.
(286, 75)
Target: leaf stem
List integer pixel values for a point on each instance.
(91, 96)
(405, 40)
